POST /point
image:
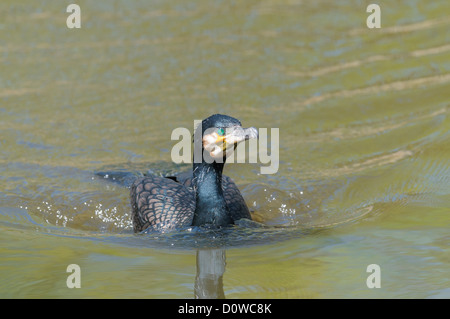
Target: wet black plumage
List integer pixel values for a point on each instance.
(201, 197)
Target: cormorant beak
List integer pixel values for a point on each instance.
(237, 134)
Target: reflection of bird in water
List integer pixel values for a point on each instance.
(203, 197)
(210, 269)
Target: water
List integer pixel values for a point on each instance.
(364, 146)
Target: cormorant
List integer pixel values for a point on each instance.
(203, 197)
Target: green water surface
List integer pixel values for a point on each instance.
(363, 116)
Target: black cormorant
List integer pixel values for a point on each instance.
(203, 197)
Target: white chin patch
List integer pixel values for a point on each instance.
(216, 152)
(209, 144)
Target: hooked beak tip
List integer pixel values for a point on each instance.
(251, 132)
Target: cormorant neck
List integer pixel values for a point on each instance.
(210, 208)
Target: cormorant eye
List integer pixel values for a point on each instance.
(221, 131)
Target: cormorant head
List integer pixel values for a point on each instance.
(221, 132)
